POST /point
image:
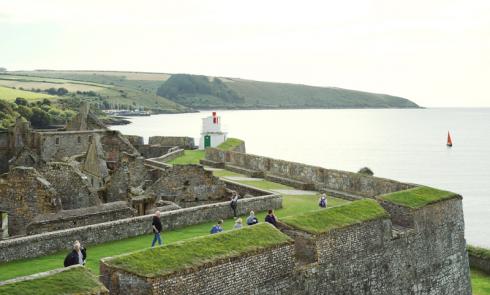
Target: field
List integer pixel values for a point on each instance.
(10, 94)
(141, 88)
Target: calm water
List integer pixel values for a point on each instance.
(406, 145)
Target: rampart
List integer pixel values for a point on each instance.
(351, 250)
(342, 183)
(46, 243)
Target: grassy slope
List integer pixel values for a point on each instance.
(480, 282)
(189, 157)
(74, 281)
(295, 95)
(256, 94)
(417, 197)
(11, 94)
(118, 89)
(198, 251)
(230, 144)
(324, 220)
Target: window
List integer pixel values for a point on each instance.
(57, 140)
(79, 139)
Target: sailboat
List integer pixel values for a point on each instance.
(449, 141)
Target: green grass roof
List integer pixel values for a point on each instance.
(417, 197)
(479, 252)
(324, 220)
(230, 144)
(77, 280)
(198, 251)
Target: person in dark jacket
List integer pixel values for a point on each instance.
(77, 256)
(157, 229)
(271, 218)
(234, 203)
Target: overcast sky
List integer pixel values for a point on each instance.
(436, 52)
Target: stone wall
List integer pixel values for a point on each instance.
(135, 174)
(321, 178)
(153, 150)
(70, 184)
(481, 263)
(261, 272)
(24, 194)
(79, 217)
(5, 153)
(367, 259)
(169, 156)
(47, 243)
(180, 141)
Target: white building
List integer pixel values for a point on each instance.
(211, 134)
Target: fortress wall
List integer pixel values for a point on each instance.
(365, 259)
(354, 183)
(180, 141)
(269, 271)
(47, 243)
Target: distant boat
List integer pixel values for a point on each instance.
(449, 141)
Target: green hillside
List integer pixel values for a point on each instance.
(167, 93)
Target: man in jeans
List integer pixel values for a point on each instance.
(157, 229)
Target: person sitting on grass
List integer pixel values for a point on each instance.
(251, 219)
(217, 228)
(238, 223)
(323, 201)
(77, 256)
(271, 218)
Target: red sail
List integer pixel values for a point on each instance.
(449, 141)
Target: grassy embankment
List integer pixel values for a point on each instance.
(197, 251)
(73, 281)
(230, 144)
(417, 197)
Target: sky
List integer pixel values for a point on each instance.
(436, 53)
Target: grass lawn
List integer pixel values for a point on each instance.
(230, 144)
(223, 173)
(11, 94)
(291, 205)
(194, 252)
(480, 282)
(189, 157)
(324, 220)
(73, 281)
(417, 197)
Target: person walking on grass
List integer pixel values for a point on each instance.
(271, 218)
(217, 228)
(157, 229)
(322, 202)
(234, 202)
(238, 223)
(77, 256)
(251, 219)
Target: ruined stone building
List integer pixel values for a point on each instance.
(86, 174)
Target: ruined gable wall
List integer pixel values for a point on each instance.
(70, 185)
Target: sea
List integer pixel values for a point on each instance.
(403, 144)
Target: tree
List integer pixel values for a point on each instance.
(46, 102)
(61, 91)
(39, 118)
(21, 101)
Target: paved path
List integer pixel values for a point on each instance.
(293, 192)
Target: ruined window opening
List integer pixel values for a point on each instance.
(186, 183)
(90, 138)
(92, 181)
(79, 139)
(57, 140)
